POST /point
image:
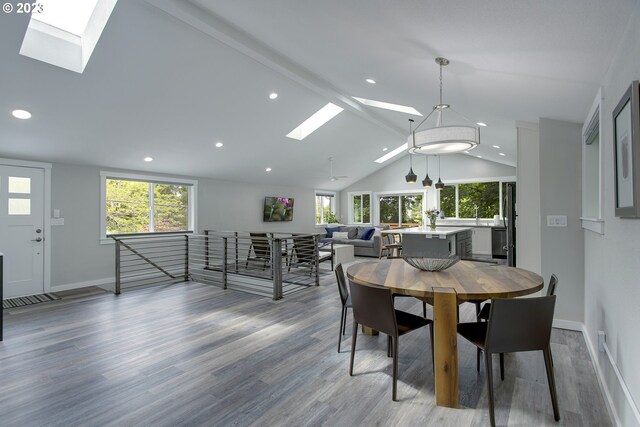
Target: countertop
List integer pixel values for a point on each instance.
(439, 231)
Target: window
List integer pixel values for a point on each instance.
(462, 200)
(401, 210)
(360, 212)
(143, 204)
(325, 207)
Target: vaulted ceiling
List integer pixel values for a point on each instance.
(170, 78)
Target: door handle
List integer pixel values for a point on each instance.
(37, 239)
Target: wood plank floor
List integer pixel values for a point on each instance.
(192, 354)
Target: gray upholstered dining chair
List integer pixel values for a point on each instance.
(345, 299)
(373, 307)
(551, 290)
(515, 325)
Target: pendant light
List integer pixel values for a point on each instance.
(411, 177)
(426, 182)
(439, 184)
(444, 139)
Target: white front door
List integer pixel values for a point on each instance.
(22, 230)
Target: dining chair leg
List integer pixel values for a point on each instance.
(548, 363)
(353, 346)
(341, 327)
(502, 366)
(489, 368)
(424, 309)
(478, 353)
(395, 368)
(389, 345)
(344, 323)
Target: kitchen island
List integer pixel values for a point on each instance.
(439, 243)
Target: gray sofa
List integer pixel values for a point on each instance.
(370, 248)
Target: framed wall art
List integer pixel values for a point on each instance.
(626, 136)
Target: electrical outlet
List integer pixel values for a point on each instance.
(602, 338)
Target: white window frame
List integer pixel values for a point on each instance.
(104, 175)
(351, 204)
(500, 181)
(595, 224)
(376, 201)
(333, 207)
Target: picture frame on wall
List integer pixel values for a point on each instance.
(626, 156)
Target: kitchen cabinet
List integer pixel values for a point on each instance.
(481, 241)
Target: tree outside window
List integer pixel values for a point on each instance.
(325, 208)
(142, 207)
(361, 208)
(448, 201)
(483, 195)
(401, 211)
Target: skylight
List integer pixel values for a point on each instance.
(319, 118)
(388, 106)
(393, 153)
(65, 33)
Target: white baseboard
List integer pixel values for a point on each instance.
(568, 325)
(89, 283)
(611, 408)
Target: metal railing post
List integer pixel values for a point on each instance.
(316, 256)
(1, 308)
(276, 268)
(186, 257)
(236, 234)
(224, 264)
(117, 287)
(206, 249)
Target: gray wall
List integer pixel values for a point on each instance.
(560, 194)
(454, 167)
(78, 257)
(612, 270)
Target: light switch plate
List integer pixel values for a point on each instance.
(56, 213)
(57, 221)
(556, 220)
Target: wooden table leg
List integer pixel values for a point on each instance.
(446, 347)
(368, 331)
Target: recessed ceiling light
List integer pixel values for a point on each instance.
(385, 149)
(501, 154)
(393, 153)
(219, 144)
(479, 157)
(388, 106)
(148, 159)
(496, 146)
(273, 95)
(21, 114)
(318, 118)
(268, 170)
(371, 81)
(481, 124)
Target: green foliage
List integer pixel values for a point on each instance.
(411, 209)
(484, 195)
(448, 200)
(362, 208)
(128, 210)
(323, 211)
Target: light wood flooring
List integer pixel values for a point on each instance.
(192, 354)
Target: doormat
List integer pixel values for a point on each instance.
(32, 299)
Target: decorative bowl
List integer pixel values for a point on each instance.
(431, 264)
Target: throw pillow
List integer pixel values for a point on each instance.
(343, 235)
(367, 234)
(331, 230)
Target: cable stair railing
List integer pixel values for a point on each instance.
(268, 264)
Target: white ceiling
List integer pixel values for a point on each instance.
(169, 78)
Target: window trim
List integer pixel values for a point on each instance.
(351, 205)
(104, 175)
(455, 183)
(334, 204)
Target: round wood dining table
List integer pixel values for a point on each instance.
(464, 281)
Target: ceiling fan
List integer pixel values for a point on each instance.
(333, 177)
